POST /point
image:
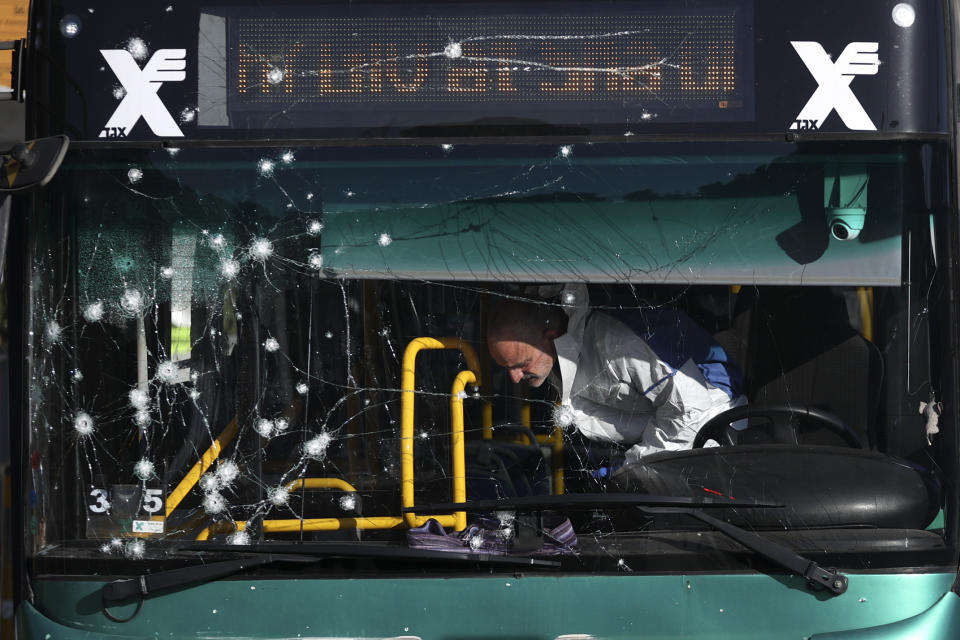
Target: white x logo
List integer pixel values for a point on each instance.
(833, 92)
(141, 99)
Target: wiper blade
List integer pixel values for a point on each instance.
(777, 553)
(272, 553)
(590, 501)
(376, 550)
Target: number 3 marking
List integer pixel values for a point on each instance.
(102, 505)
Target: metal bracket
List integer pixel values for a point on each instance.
(834, 582)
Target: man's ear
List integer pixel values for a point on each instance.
(552, 333)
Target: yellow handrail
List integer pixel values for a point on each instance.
(312, 524)
(419, 344)
(456, 430)
(320, 483)
(193, 476)
(407, 386)
(555, 440)
(456, 520)
(293, 525)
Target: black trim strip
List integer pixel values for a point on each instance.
(491, 140)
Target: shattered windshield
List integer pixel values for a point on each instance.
(298, 344)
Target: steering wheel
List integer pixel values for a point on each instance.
(782, 419)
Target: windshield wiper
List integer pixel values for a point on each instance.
(777, 553)
(300, 553)
(317, 551)
(835, 582)
(147, 584)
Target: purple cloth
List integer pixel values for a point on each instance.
(491, 535)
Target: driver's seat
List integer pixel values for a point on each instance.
(804, 353)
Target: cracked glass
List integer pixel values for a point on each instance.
(224, 343)
(410, 255)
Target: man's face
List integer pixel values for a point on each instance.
(529, 361)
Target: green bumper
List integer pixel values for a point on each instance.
(508, 608)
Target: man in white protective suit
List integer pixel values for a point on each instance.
(644, 379)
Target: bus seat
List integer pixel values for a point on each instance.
(803, 351)
(735, 339)
(502, 469)
(843, 379)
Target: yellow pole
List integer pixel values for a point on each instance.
(193, 476)
(865, 297)
(407, 390)
(555, 440)
(459, 464)
(557, 460)
(487, 420)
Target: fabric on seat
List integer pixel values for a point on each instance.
(493, 535)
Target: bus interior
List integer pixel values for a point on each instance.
(221, 341)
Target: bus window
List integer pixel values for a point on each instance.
(244, 324)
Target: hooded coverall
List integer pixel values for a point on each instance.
(646, 386)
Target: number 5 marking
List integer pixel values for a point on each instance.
(152, 502)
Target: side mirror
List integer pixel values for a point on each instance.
(24, 167)
(30, 165)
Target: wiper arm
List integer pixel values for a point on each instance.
(787, 558)
(147, 584)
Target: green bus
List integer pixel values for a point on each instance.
(254, 395)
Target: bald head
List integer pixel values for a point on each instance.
(524, 319)
(520, 337)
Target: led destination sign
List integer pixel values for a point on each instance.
(303, 70)
(424, 68)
